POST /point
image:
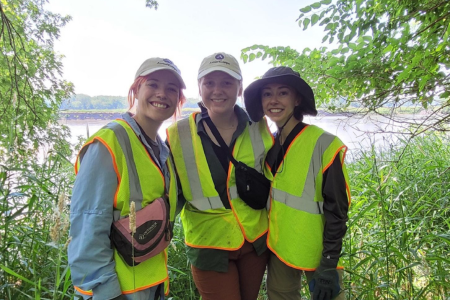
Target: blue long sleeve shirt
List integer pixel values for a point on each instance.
(91, 215)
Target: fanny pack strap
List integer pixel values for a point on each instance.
(222, 143)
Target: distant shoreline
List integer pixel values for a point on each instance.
(114, 114)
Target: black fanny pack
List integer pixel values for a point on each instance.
(252, 187)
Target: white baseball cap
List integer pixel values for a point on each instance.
(220, 62)
(154, 64)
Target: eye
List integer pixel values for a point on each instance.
(152, 84)
(284, 93)
(173, 90)
(266, 94)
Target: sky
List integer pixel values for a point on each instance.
(107, 40)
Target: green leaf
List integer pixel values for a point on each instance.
(305, 9)
(326, 2)
(252, 57)
(344, 50)
(324, 21)
(314, 19)
(245, 58)
(316, 5)
(444, 95)
(305, 23)
(11, 272)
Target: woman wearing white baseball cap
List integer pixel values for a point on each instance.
(225, 234)
(125, 166)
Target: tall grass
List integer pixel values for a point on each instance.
(33, 227)
(398, 239)
(396, 246)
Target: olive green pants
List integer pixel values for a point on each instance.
(285, 283)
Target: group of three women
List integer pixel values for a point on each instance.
(229, 244)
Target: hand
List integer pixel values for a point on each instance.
(120, 297)
(325, 282)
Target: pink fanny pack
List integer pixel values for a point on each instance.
(152, 236)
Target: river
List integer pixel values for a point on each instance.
(356, 132)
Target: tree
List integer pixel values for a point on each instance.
(34, 169)
(31, 87)
(385, 53)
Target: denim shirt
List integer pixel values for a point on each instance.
(91, 214)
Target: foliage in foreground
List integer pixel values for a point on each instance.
(398, 238)
(384, 53)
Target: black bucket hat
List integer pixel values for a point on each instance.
(282, 75)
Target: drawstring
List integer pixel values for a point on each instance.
(280, 129)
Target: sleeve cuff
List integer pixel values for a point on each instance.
(329, 263)
(108, 290)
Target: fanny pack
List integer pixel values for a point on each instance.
(152, 236)
(253, 187)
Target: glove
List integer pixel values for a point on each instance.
(325, 282)
(120, 297)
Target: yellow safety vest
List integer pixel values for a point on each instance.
(296, 220)
(206, 222)
(133, 164)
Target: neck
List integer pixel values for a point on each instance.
(287, 128)
(149, 126)
(224, 120)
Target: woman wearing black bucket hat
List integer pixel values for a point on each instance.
(310, 196)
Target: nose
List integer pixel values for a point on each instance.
(217, 90)
(273, 99)
(161, 93)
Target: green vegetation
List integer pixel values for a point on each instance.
(383, 53)
(391, 54)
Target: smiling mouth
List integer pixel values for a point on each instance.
(218, 100)
(275, 110)
(159, 105)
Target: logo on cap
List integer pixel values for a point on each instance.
(168, 61)
(219, 56)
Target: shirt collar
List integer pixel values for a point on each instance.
(163, 149)
(243, 118)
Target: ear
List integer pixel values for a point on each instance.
(199, 84)
(241, 89)
(298, 100)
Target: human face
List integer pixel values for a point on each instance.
(219, 92)
(158, 97)
(279, 102)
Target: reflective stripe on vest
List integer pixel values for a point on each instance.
(133, 185)
(296, 220)
(199, 200)
(206, 222)
(306, 202)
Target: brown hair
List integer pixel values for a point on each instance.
(141, 80)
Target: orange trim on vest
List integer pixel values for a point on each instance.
(342, 163)
(334, 156)
(113, 157)
(83, 292)
(234, 212)
(287, 151)
(210, 247)
(153, 162)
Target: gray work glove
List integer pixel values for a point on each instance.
(325, 282)
(120, 297)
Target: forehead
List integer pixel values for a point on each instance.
(164, 76)
(275, 86)
(218, 75)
